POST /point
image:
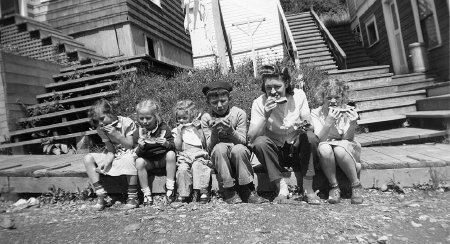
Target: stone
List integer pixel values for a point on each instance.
(417, 225)
(382, 239)
(133, 227)
(7, 222)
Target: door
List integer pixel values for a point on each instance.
(395, 37)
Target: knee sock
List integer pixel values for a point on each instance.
(170, 186)
(307, 184)
(147, 191)
(283, 187)
(99, 190)
(132, 191)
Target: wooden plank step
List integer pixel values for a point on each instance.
(438, 89)
(441, 102)
(387, 99)
(300, 36)
(56, 114)
(48, 127)
(82, 80)
(360, 82)
(363, 71)
(108, 84)
(54, 138)
(307, 39)
(399, 135)
(316, 58)
(410, 159)
(393, 87)
(312, 50)
(78, 99)
(410, 77)
(382, 119)
(305, 23)
(98, 69)
(388, 110)
(309, 43)
(436, 114)
(320, 62)
(313, 55)
(103, 62)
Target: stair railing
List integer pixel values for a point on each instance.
(288, 38)
(332, 44)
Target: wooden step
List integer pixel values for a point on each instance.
(441, 102)
(387, 110)
(300, 36)
(78, 99)
(381, 119)
(319, 62)
(298, 15)
(316, 59)
(388, 99)
(313, 50)
(81, 81)
(296, 32)
(359, 72)
(53, 116)
(436, 114)
(410, 77)
(50, 127)
(103, 62)
(79, 91)
(309, 43)
(302, 24)
(387, 88)
(314, 55)
(54, 138)
(307, 39)
(361, 82)
(397, 136)
(98, 69)
(303, 29)
(438, 89)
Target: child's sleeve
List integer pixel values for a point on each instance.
(169, 137)
(103, 135)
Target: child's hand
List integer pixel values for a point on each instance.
(162, 141)
(352, 114)
(333, 115)
(141, 142)
(226, 125)
(196, 121)
(111, 130)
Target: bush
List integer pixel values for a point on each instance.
(189, 83)
(320, 6)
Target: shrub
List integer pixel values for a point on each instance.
(189, 83)
(320, 6)
(335, 19)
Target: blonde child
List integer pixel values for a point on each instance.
(194, 167)
(155, 149)
(118, 158)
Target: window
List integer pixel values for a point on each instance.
(150, 48)
(372, 31)
(428, 23)
(9, 7)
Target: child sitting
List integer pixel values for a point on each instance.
(194, 168)
(118, 158)
(155, 150)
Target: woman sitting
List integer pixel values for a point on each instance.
(334, 124)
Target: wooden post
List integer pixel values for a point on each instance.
(220, 39)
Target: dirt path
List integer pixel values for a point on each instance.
(385, 217)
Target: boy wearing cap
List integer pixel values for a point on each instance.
(225, 130)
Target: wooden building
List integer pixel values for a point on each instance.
(116, 27)
(388, 27)
(264, 22)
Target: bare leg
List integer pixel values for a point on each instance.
(89, 164)
(142, 166)
(328, 163)
(171, 166)
(346, 163)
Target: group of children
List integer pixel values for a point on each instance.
(134, 148)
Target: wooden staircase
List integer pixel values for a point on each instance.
(61, 112)
(356, 54)
(309, 41)
(27, 37)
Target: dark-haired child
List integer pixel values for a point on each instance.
(118, 158)
(225, 129)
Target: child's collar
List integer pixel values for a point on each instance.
(154, 130)
(221, 116)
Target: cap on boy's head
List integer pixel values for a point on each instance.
(217, 85)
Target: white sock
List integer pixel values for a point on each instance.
(100, 192)
(146, 191)
(307, 184)
(170, 184)
(283, 187)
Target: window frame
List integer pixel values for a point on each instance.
(367, 24)
(436, 22)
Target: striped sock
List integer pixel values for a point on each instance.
(132, 191)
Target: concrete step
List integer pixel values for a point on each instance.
(389, 99)
(438, 89)
(441, 102)
(348, 74)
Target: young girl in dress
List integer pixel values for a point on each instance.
(156, 149)
(194, 167)
(118, 158)
(334, 124)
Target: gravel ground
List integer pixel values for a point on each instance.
(418, 216)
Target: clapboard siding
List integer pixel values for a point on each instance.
(380, 51)
(439, 58)
(408, 26)
(267, 38)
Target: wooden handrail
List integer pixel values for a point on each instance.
(337, 51)
(287, 30)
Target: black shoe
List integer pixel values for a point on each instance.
(230, 196)
(195, 195)
(205, 198)
(255, 198)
